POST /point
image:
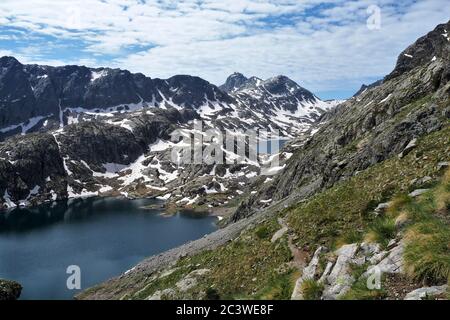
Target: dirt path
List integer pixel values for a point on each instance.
(300, 257)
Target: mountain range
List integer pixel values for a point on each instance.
(45, 98)
(74, 131)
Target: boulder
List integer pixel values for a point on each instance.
(393, 263)
(443, 165)
(9, 290)
(425, 292)
(190, 280)
(411, 145)
(381, 208)
(340, 280)
(277, 235)
(370, 249)
(418, 192)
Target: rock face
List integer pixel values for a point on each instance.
(9, 290)
(434, 44)
(426, 292)
(31, 168)
(374, 126)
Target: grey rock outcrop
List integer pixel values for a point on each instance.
(410, 146)
(392, 263)
(308, 273)
(426, 292)
(340, 280)
(9, 290)
(418, 192)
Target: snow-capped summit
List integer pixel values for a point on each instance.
(278, 102)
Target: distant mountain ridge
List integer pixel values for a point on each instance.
(34, 98)
(28, 91)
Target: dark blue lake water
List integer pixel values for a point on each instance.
(104, 237)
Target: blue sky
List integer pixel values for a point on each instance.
(329, 47)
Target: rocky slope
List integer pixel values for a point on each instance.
(371, 127)
(368, 191)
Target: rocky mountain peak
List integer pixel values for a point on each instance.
(7, 61)
(366, 87)
(432, 46)
(234, 82)
(281, 85)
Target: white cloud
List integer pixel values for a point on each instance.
(324, 48)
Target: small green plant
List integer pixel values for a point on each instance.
(262, 232)
(352, 236)
(312, 289)
(212, 294)
(359, 291)
(398, 204)
(382, 230)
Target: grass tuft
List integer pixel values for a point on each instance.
(382, 230)
(359, 291)
(262, 232)
(312, 289)
(427, 252)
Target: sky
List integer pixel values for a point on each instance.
(330, 47)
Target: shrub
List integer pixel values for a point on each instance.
(262, 232)
(212, 294)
